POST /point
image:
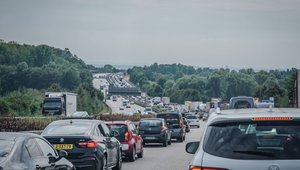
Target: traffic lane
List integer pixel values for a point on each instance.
(172, 157)
(115, 106)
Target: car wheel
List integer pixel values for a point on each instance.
(180, 139)
(132, 155)
(144, 143)
(103, 163)
(119, 163)
(141, 154)
(165, 143)
(198, 126)
(169, 142)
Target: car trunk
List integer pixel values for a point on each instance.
(69, 144)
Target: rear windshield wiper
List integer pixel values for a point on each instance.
(256, 152)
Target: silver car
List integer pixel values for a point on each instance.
(249, 139)
(193, 120)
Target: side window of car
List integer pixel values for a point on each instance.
(25, 154)
(33, 148)
(46, 148)
(132, 128)
(97, 132)
(104, 130)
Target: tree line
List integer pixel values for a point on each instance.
(32, 70)
(182, 83)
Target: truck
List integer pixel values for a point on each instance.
(165, 100)
(59, 103)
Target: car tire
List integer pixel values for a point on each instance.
(180, 139)
(141, 154)
(132, 155)
(119, 163)
(103, 163)
(169, 142)
(165, 143)
(198, 126)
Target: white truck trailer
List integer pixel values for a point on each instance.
(59, 103)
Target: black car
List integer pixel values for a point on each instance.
(89, 143)
(24, 151)
(155, 130)
(175, 122)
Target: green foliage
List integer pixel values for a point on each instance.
(182, 83)
(27, 71)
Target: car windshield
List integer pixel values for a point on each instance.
(52, 104)
(121, 128)
(191, 117)
(5, 147)
(72, 129)
(254, 140)
(153, 123)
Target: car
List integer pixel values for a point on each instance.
(131, 141)
(89, 143)
(121, 108)
(23, 151)
(80, 114)
(154, 130)
(186, 124)
(175, 123)
(128, 106)
(241, 102)
(193, 120)
(249, 139)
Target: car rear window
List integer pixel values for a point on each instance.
(71, 129)
(172, 119)
(121, 128)
(191, 117)
(152, 123)
(254, 140)
(5, 147)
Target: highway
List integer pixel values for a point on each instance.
(115, 106)
(172, 157)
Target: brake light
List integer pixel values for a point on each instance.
(272, 118)
(204, 168)
(126, 136)
(89, 144)
(180, 123)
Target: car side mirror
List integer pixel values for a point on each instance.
(52, 159)
(63, 154)
(192, 147)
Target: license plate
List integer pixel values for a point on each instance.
(63, 146)
(151, 137)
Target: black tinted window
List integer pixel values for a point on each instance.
(191, 117)
(71, 129)
(121, 128)
(150, 123)
(254, 140)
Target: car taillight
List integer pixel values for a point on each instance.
(126, 136)
(89, 144)
(205, 168)
(180, 123)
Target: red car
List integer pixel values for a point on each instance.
(131, 141)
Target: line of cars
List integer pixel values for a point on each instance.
(85, 143)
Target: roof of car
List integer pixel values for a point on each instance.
(247, 114)
(15, 135)
(75, 120)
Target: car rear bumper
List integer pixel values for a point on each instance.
(87, 163)
(154, 138)
(177, 134)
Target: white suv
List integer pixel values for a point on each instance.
(249, 139)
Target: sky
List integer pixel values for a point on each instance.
(262, 34)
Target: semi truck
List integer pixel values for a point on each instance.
(59, 103)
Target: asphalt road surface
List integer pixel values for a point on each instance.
(115, 106)
(172, 157)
